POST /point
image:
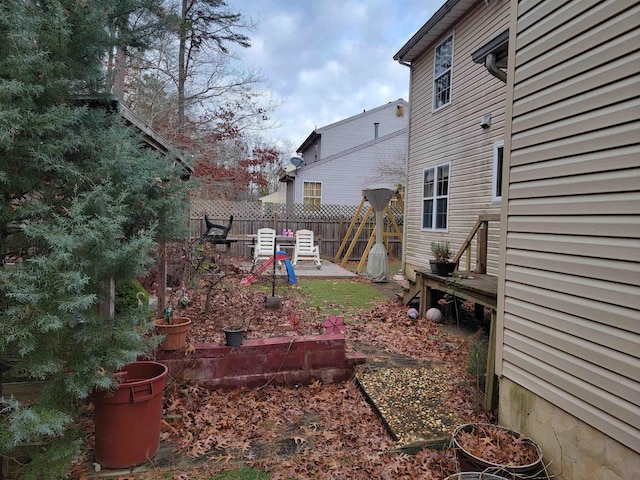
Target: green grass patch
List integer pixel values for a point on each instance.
(340, 297)
(242, 473)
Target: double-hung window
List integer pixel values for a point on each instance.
(443, 62)
(435, 197)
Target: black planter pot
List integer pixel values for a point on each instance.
(444, 269)
(234, 337)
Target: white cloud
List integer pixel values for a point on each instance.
(331, 59)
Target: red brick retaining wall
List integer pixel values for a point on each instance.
(280, 360)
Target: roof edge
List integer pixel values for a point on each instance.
(443, 13)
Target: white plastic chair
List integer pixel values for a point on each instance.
(264, 244)
(305, 249)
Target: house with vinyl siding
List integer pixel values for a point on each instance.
(341, 159)
(568, 262)
(568, 336)
(456, 129)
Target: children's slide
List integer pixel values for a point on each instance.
(280, 257)
(290, 272)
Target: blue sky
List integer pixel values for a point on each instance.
(330, 59)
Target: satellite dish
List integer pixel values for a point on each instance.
(296, 161)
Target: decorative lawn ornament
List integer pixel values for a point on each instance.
(434, 315)
(183, 301)
(413, 313)
(294, 321)
(334, 324)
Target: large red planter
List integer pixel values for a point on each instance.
(127, 420)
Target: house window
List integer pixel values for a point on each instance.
(376, 129)
(312, 193)
(435, 197)
(442, 73)
(498, 149)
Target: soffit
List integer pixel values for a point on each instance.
(441, 22)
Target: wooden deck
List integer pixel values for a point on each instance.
(477, 287)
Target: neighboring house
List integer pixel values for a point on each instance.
(149, 137)
(280, 195)
(456, 128)
(341, 159)
(154, 140)
(568, 337)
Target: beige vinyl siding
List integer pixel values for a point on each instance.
(453, 134)
(571, 286)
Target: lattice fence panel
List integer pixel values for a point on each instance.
(330, 222)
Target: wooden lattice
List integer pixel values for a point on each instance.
(329, 222)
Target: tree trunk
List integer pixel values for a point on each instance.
(182, 66)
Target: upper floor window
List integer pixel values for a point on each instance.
(435, 197)
(376, 130)
(443, 63)
(498, 150)
(312, 193)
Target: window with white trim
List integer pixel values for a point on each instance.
(312, 193)
(435, 197)
(496, 189)
(443, 63)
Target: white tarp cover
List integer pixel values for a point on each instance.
(379, 197)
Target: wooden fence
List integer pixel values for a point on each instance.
(329, 222)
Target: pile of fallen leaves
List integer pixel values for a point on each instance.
(229, 301)
(316, 431)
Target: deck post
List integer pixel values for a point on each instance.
(481, 248)
(425, 297)
(490, 390)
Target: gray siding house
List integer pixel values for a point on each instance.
(568, 336)
(456, 129)
(342, 158)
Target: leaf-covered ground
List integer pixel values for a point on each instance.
(315, 431)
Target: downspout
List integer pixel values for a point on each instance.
(490, 65)
(403, 262)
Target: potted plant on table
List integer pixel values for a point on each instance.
(441, 264)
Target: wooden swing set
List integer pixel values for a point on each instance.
(351, 238)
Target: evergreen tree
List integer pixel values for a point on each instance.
(82, 203)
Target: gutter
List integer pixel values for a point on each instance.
(413, 41)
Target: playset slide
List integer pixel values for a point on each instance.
(280, 257)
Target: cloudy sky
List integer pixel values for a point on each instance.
(327, 60)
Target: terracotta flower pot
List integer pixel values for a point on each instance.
(175, 333)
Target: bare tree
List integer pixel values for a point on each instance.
(389, 170)
(206, 28)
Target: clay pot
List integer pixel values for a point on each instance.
(175, 333)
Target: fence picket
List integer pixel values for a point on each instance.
(330, 222)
